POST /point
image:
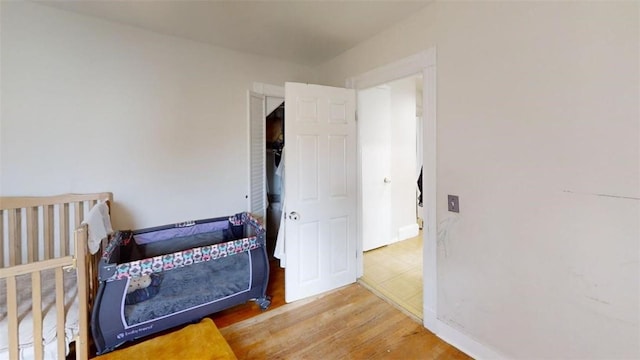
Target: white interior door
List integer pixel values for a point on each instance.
(374, 134)
(257, 153)
(320, 189)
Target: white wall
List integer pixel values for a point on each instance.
(161, 122)
(538, 133)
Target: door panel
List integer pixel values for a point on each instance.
(309, 236)
(374, 125)
(339, 241)
(308, 167)
(338, 166)
(320, 187)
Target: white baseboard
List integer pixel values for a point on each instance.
(407, 232)
(429, 320)
(459, 339)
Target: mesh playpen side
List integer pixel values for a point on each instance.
(157, 278)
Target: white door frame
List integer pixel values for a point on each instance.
(422, 63)
(268, 89)
(265, 90)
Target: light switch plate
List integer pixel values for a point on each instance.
(453, 204)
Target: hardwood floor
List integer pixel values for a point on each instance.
(275, 290)
(349, 323)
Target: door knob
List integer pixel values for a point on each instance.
(387, 180)
(294, 216)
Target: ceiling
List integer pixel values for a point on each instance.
(303, 32)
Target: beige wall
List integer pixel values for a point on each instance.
(89, 105)
(538, 133)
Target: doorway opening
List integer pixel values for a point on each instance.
(422, 63)
(274, 168)
(390, 137)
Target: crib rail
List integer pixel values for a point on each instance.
(45, 233)
(41, 228)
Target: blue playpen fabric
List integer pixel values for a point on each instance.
(191, 286)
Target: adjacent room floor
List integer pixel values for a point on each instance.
(395, 273)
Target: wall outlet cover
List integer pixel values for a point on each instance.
(453, 203)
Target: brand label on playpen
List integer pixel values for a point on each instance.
(185, 224)
(134, 331)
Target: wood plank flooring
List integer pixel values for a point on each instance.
(349, 323)
(275, 290)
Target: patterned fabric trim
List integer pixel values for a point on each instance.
(187, 257)
(244, 218)
(184, 258)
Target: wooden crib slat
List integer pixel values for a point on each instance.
(15, 238)
(78, 212)
(48, 229)
(85, 299)
(36, 300)
(12, 308)
(32, 234)
(2, 238)
(92, 278)
(64, 229)
(60, 318)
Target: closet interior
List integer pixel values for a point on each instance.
(274, 136)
